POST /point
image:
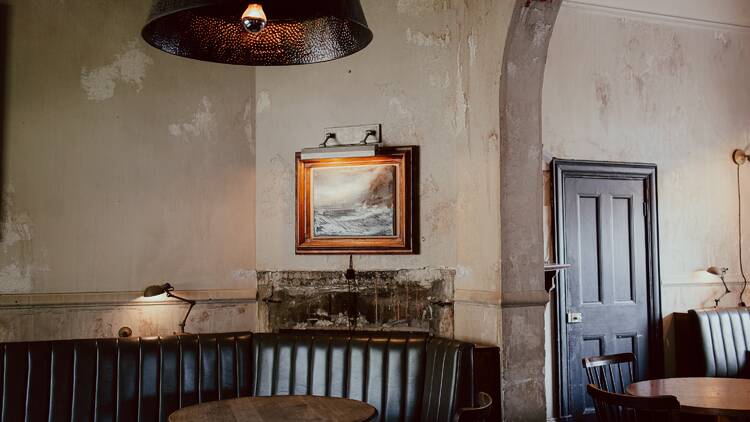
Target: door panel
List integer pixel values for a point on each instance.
(605, 243)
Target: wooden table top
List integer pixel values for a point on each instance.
(278, 409)
(705, 396)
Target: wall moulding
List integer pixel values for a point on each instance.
(477, 297)
(40, 317)
(110, 299)
(653, 17)
(525, 299)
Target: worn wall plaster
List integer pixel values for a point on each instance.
(94, 320)
(104, 198)
(202, 126)
(18, 266)
(128, 67)
(438, 88)
(421, 7)
(428, 40)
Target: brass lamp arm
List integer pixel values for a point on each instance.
(188, 301)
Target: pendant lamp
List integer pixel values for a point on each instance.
(258, 32)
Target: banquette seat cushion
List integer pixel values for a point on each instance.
(723, 335)
(146, 379)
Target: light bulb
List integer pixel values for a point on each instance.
(254, 19)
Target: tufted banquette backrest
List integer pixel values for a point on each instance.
(724, 337)
(146, 379)
(121, 379)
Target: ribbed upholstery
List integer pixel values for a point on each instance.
(724, 336)
(143, 380)
(120, 380)
(405, 378)
(448, 383)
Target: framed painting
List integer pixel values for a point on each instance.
(362, 205)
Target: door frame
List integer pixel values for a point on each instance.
(563, 169)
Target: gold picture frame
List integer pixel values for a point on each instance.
(362, 205)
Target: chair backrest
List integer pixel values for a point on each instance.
(611, 373)
(723, 341)
(479, 413)
(615, 407)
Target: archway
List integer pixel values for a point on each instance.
(524, 297)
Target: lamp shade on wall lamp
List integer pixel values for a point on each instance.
(157, 290)
(258, 33)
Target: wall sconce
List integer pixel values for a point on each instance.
(740, 157)
(721, 273)
(362, 148)
(167, 288)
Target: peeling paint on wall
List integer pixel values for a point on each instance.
(17, 266)
(461, 102)
(428, 40)
(264, 102)
(280, 190)
(202, 126)
(420, 7)
(249, 118)
(128, 67)
(245, 275)
(472, 42)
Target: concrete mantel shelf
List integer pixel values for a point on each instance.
(555, 267)
(550, 273)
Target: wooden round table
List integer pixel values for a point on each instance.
(704, 396)
(278, 409)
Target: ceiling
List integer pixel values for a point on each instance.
(732, 12)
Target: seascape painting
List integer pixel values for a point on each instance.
(355, 201)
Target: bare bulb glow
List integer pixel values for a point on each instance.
(254, 19)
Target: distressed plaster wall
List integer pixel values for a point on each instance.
(122, 166)
(431, 77)
(668, 91)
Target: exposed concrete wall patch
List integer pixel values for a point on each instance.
(418, 300)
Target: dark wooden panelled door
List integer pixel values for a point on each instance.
(606, 305)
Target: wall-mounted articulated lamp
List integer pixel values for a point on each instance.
(167, 288)
(721, 273)
(367, 146)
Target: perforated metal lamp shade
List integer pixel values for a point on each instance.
(298, 31)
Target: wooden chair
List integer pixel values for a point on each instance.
(606, 372)
(481, 413)
(614, 407)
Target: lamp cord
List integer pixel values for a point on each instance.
(739, 219)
